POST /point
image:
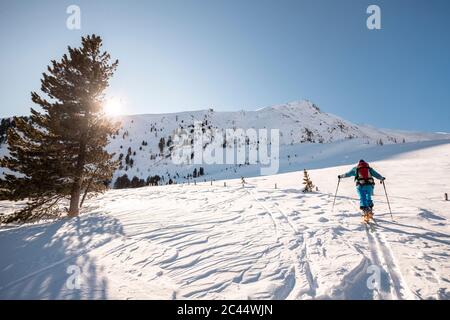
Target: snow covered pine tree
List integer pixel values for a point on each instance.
(60, 153)
(309, 186)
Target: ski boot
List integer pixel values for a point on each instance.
(367, 215)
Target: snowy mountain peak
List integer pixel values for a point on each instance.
(300, 105)
(142, 144)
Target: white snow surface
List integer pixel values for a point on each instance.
(252, 242)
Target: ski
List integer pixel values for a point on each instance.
(374, 222)
(370, 226)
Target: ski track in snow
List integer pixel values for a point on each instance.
(252, 242)
(382, 256)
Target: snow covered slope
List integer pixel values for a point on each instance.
(202, 241)
(301, 125)
(306, 134)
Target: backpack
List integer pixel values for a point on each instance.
(363, 175)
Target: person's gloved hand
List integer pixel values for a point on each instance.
(340, 177)
(382, 179)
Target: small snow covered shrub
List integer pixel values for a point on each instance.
(309, 186)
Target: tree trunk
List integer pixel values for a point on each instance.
(74, 208)
(87, 188)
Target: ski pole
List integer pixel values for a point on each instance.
(339, 180)
(387, 198)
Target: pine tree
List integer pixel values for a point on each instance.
(309, 186)
(161, 145)
(122, 182)
(60, 152)
(169, 143)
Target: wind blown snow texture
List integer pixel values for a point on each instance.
(202, 241)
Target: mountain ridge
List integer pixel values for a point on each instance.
(143, 142)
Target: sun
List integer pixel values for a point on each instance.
(113, 107)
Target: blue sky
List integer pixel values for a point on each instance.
(235, 54)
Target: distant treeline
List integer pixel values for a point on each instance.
(124, 181)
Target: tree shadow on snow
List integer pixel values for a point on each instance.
(42, 261)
